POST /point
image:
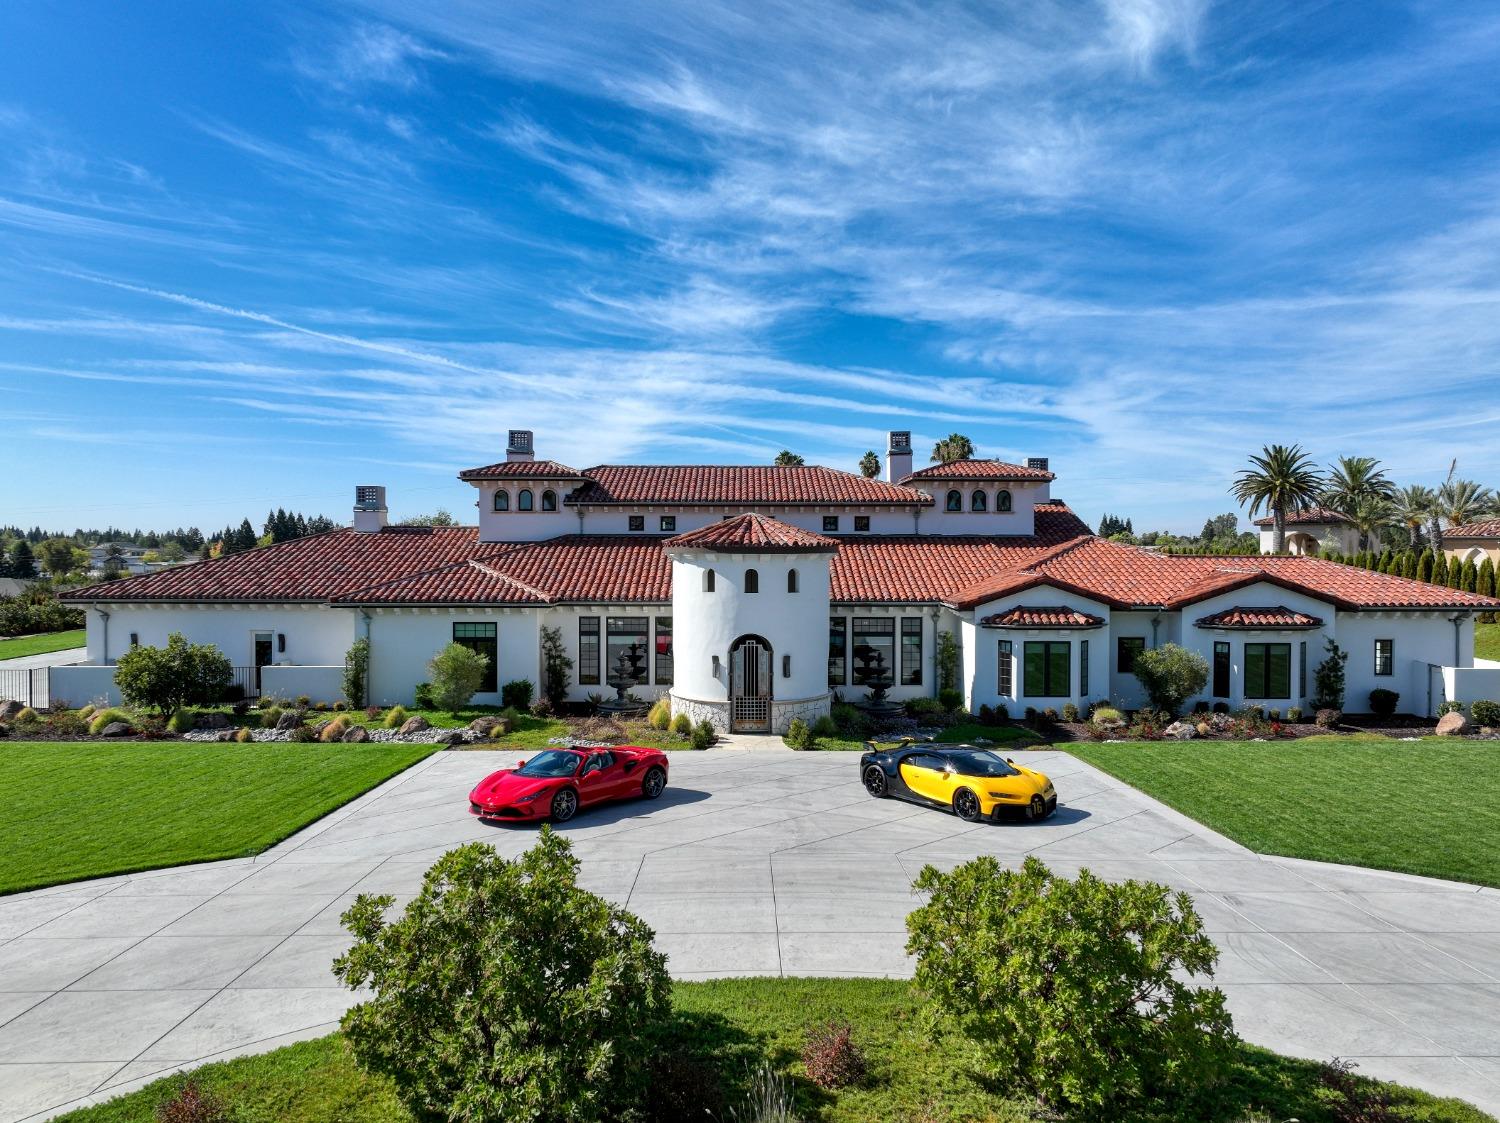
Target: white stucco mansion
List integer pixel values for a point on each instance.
(758, 593)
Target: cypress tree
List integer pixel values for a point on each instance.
(1484, 581)
(22, 560)
(1424, 566)
(1440, 569)
(1468, 581)
(1409, 564)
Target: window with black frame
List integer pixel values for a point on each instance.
(588, 651)
(911, 651)
(1126, 649)
(481, 639)
(1268, 670)
(1048, 668)
(1005, 682)
(1385, 657)
(838, 651)
(625, 643)
(663, 651)
(874, 651)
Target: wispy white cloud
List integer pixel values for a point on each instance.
(366, 54)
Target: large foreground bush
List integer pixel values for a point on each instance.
(505, 992)
(457, 673)
(168, 678)
(1069, 989)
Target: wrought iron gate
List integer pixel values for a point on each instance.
(750, 688)
(27, 686)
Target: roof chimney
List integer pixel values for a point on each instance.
(898, 455)
(1038, 462)
(369, 508)
(519, 446)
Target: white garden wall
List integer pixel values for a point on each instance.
(315, 635)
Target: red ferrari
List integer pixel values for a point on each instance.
(554, 784)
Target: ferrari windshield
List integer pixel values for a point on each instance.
(980, 762)
(550, 764)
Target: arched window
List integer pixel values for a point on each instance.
(523, 500)
(791, 580)
(708, 580)
(502, 501)
(955, 501)
(549, 500)
(1002, 501)
(752, 581)
(979, 501)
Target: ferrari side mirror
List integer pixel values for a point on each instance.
(520, 764)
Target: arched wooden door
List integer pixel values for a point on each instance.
(750, 685)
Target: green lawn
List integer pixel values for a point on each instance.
(1427, 807)
(733, 1025)
(40, 645)
(73, 810)
(1487, 641)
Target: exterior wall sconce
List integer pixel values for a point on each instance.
(786, 666)
(281, 641)
(716, 666)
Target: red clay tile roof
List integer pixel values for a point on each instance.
(1025, 616)
(522, 470)
(1486, 528)
(979, 470)
(316, 568)
(712, 484)
(1311, 515)
(1278, 617)
(753, 533)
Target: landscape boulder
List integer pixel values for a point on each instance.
(452, 737)
(9, 709)
(355, 735)
(289, 720)
(116, 729)
(1180, 731)
(1451, 725)
(414, 725)
(489, 726)
(4, 732)
(224, 735)
(212, 720)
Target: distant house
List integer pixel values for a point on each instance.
(1310, 532)
(1473, 542)
(13, 586)
(750, 595)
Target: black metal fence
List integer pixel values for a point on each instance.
(246, 684)
(27, 686)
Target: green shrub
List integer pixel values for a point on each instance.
(1485, 712)
(183, 721)
(85, 712)
(1450, 707)
(854, 724)
(1171, 675)
(682, 725)
(798, 735)
(356, 671)
(925, 707)
(422, 696)
(168, 678)
(1108, 715)
(104, 717)
(302, 734)
(27, 716)
(557, 667)
(1072, 990)
(303, 701)
(474, 1017)
(951, 699)
(517, 693)
(1328, 678)
(457, 672)
(660, 715)
(269, 717)
(824, 727)
(243, 735)
(340, 706)
(1069, 712)
(1383, 701)
(1294, 713)
(395, 717)
(703, 734)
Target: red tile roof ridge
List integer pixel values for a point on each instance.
(752, 531)
(509, 580)
(978, 468)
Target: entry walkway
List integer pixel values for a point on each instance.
(753, 862)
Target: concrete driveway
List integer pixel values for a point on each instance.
(752, 863)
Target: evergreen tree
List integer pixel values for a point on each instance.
(1484, 582)
(1468, 579)
(1387, 559)
(1409, 564)
(246, 537)
(1440, 569)
(22, 561)
(1425, 565)
(1455, 574)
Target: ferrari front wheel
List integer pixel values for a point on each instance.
(654, 783)
(564, 805)
(966, 805)
(875, 782)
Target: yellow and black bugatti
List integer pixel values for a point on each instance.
(974, 782)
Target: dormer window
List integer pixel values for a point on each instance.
(752, 581)
(979, 501)
(955, 501)
(523, 500)
(1002, 501)
(549, 500)
(502, 501)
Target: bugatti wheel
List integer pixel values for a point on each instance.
(966, 805)
(564, 805)
(654, 783)
(876, 783)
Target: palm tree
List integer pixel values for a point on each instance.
(1412, 506)
(786, 458)
(1354, 478)
(955, 446)
(1282, 480)
(1461, 501)
(869, 465)
(1371, 515)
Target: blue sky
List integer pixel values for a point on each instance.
(252, 255)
